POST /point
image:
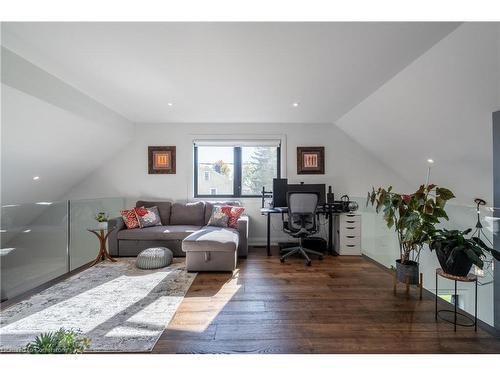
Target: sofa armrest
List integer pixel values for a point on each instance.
(118, 224)
(243, 232)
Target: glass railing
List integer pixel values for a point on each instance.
(380, 244)
(33, 245)
(42, 241)
(82, 244)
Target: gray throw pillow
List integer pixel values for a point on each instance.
(218, 218)
(148, 217)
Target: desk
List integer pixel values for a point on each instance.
(326, 210)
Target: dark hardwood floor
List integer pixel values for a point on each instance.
(338, 305)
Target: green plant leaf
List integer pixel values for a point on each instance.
(444, 194)
(59, 342)
(440, 212)
(495, 254)
(473, 257)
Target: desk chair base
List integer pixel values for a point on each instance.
(302, 251)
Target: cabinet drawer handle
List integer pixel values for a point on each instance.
(351, 245)
(350, 227)
(351, 236)
(350, 221)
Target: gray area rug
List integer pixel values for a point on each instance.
(119, 307)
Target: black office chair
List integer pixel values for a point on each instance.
(301, 222)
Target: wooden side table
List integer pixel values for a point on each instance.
(470, 278)
(103, 251)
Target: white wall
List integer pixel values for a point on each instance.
(439, 107)
(48, 129)
(349, 168)
(51, 130)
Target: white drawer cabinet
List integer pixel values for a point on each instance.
(347, 229)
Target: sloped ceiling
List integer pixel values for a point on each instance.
(404, 91)
(439, 107)
(225, 72)
(52, 131)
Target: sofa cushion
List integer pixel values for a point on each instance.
(164, 209)
(209, 205)
(130, 218)
(187, 214)
(233, 213)
(147, 217)
(211, 239)
(164, 232)
(218, 218)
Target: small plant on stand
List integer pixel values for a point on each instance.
(456, 252)
(102, 219)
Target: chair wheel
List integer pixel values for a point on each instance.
(282, 260)
(308, 263)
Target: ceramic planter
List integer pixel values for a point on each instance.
(102, 225)
(459, 266)
(407, 272)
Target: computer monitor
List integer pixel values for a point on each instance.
(279, 192)
(316, 188)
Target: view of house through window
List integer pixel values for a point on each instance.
(215, 170)
(235, 171)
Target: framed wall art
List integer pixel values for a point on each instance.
(161, 159)
(311, 160)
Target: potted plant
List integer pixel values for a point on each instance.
(456, 253)
(413, 217)
(102, 219)
(59, 342)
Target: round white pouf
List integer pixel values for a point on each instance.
(154, 257)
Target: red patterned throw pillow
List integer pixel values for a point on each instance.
(234, 213)
(130, 218)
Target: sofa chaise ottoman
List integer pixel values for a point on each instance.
(181, 221)
(211, 249)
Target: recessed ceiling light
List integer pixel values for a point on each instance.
(36, 178)
(27, 230)
(44, 203)
(170, 104)
(430, 161)
(295, 104)
(6, 250)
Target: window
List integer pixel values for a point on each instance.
(235, 171)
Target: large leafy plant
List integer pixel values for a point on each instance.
(58, 342)
(452, 244)
(413, 216)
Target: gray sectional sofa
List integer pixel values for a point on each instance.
(184, 230)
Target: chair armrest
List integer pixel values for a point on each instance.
(118, 224)
(243, 232)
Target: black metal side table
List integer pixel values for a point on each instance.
(470, 278)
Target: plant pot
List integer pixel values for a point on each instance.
(459, 266)
(407, 272)
(102, 225)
